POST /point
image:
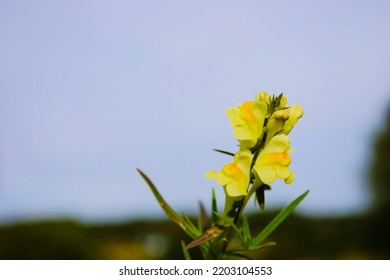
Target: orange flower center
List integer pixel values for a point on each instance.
(247, 114)
(232, 171)
(276, 159)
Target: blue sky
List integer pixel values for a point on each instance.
(90, 90)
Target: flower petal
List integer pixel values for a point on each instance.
(274, 160)
(247, 121)
(212, 174)
(234, 176)
(295, 112)
(267, 174)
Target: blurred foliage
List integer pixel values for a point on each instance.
(297, 238)
(66, 239)
(379, 171)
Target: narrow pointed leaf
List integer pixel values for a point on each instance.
(223, 152)
(203, 219)
(192, 230)
(163, 204)
(230, 222)
(185, 251)
(246, 230)
(209, 234)
(260, 197)
(278, 219)
(214, 208)
(215, 230)
(239, 256)
(258, 247)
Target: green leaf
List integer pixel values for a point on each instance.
(260, 195)
(246, 230)
(214, 208)
(209, 234)
(239, 256)
(203, 220)
(230, 222)
(223, 152)
(258, 247)
(216, 230)
(165, 206)
(251, 247)
(279, 219)
(185, 251)
(193, 231)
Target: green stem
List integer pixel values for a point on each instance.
(240, 209)
(256, 151)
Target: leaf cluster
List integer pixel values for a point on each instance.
(216, 242)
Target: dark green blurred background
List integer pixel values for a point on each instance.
(359, 236)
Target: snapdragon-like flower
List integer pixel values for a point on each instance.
(234, 176)
(295, 112)
(274, 160)
(261, 126)
(283, 120)
(247, 121)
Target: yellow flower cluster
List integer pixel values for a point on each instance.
(261, 126)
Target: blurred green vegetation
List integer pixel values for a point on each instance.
(360, 236)
(355, 237)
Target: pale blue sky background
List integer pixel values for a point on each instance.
(90, 90)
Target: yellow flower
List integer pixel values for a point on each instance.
(247, 121)
(295, 112)
(283, 121)
(274, 160)
(234, 176)
(265, 97)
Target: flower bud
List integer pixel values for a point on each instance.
(283, 102)
(276, 124)
(264, 96)
(295, 112)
